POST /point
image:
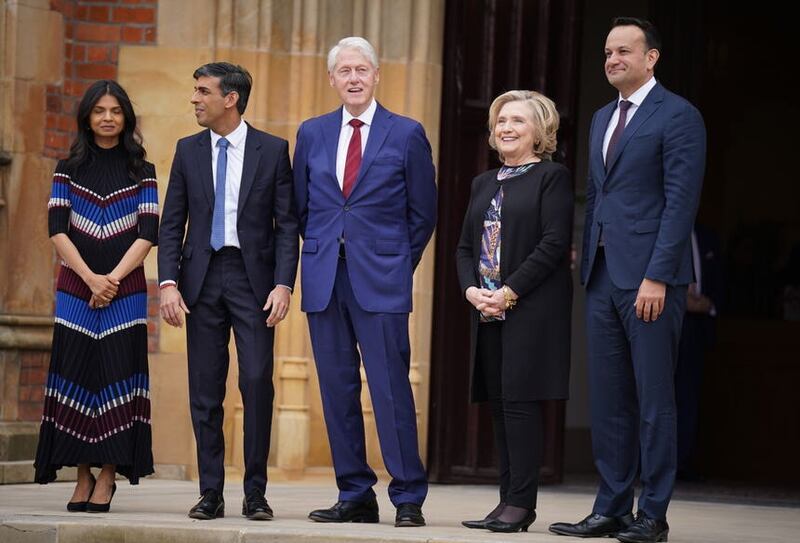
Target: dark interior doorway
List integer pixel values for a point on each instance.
(737, 66)
(491, 46)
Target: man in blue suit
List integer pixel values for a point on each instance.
(646, 163)
(365, 189)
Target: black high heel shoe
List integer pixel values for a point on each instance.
(497, 525)
(481, 524)
(80, 507)
(92, 507)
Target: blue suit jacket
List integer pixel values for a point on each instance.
(386, 221)
(646, 200)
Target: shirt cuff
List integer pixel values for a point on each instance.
(167, 283)
(287, 288)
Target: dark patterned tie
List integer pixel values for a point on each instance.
(624, 105)
(353, 161)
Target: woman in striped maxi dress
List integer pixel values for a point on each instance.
(103, 220)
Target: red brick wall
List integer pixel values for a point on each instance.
(93, 32)
(32, 378)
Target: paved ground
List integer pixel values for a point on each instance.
(156, 510)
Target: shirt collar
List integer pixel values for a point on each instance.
(235, 138)
(365, 117)
(641, 93)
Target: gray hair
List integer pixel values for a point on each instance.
(352, 42)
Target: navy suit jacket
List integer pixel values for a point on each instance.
(266, 220)
(386, 221)
(645, 201)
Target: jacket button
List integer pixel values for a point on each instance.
(347, 208)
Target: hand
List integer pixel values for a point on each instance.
(277, 305)
(172, 306)
(697, 303)
(103, 287)
(650, 299)
(486, 301)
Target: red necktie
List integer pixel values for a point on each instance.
(353, 161)
(617, 134)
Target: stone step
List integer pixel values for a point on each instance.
(18, 440)
(21, 471)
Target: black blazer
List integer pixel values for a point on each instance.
(267, 220)
(536, 229)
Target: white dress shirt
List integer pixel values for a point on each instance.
(636, 100)
(346, 133)
(233, 177)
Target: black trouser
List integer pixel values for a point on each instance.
(517, 425)
(227, 301)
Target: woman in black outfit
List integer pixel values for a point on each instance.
(103, 220)
(514, 268)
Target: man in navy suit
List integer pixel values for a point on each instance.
(235, 268)
(366, 198)
(646, 164)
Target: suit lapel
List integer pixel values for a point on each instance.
(204, 165)
(597, 164)
(251, 158)
(651, 103)
(381, 125)
(331, 128)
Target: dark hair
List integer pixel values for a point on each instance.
(232, 78)
(652, 38)
(82, 152)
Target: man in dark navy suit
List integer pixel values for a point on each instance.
(366, 197)
(646, 164)
(235, 268)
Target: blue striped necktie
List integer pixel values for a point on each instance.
(218, 220)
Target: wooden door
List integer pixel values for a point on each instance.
(491, 46)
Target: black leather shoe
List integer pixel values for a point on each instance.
(481, 524)
(594, 525)
(92, 507)
(497, 525)
(645, 530)
(210, 506)
(255, 507)
(409, 515)
(80, 507)
(348, 512)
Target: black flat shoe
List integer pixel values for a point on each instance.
(481, 524)
(92, 507)
(497, 525)
(594, 525)
(80, 507)
(255, 507)
(409, 515)
(210, 506)
(345, 511)
(645, 530)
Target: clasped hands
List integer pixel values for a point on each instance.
(104, 288)
(491, 303)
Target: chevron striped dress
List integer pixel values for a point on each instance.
(97, 399)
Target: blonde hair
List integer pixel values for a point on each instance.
(543, 114)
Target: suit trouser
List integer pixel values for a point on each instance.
(518, 431)
(632, 395)
(226, 301)
(383, 343)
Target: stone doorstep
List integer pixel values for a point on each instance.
(35, 531)
(21, 471)
(18, 440)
